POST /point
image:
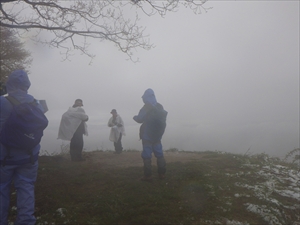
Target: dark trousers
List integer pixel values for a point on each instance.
(155, 147)
(118, 145)
(76, 146)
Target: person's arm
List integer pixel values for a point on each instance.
(119, 122)
(140, 118)
(82, 115)
(110, 123)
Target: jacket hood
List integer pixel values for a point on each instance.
(149, 97)
(17, 81)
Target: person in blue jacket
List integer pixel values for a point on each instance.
(152, 116)
(20, 168)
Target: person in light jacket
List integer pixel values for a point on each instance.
(72, 128)
(20, 167)
(117, 130)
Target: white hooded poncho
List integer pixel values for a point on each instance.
(115, 130)
(70, 121)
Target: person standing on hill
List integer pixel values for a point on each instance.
(72, 128)
(19, 165)
(152, 116)
(117, 130)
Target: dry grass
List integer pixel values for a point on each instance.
(200, 188)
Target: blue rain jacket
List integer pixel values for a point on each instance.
(17, 86)
(143, 117)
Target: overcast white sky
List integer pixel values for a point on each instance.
(229, 79)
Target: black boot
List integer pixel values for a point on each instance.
(161, 166)
(147, 168)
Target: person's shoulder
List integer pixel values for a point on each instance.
(22, 98)
(79, 109)
(147, 107)
(159, 106)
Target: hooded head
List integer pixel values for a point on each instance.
(149, 97)
(78, 103)
(17, 81)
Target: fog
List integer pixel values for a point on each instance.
(229, 79)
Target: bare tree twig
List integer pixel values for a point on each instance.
(70, 22)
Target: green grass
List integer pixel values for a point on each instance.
(203, 191)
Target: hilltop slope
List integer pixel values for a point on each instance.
(200, 188)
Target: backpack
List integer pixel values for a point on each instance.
(156, 122)
(24, 127)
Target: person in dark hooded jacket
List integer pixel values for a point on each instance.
(152, 116)
(20, 168)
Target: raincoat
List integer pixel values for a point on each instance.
(17, 86)
(70, 121)
(115, 130)
(151, 143)
(18, 168)
(150, 101)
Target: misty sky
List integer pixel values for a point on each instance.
(229, 79)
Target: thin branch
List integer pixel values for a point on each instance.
(97, 19)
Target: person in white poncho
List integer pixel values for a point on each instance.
(72, 128)
(117, 130)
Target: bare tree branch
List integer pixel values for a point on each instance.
(72, 23)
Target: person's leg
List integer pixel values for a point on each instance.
(147, 155)
(73, 148)
(80, 147)
(147, 167)
(76, 146)
(24, 179)
(161, 162)
(118, 145)
(6, 175)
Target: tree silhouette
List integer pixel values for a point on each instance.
(13, 54)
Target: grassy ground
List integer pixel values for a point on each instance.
(213, 188)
